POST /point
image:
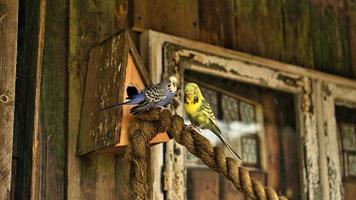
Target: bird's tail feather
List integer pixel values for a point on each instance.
(227, 144)
(115, 105)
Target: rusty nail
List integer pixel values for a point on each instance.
(4, 98)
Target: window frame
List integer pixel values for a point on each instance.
(331, 95)
(164, 60)
(258, 150)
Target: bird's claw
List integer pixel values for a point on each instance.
(192, 126)
(162, 109)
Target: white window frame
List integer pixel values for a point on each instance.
(331, 94)
(316, 180)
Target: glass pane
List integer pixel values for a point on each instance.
(230, 108)
(348, 136)
(249, 150)
(352, 165)
(247, 112)
(250, 117)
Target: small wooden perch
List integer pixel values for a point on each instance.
(113, 66)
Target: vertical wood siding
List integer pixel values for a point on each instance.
(311, 33)
(8, 48)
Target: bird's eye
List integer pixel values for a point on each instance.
(196, 99)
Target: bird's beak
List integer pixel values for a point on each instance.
(189, 96)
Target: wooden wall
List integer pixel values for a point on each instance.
(307, 33)
(311, 33)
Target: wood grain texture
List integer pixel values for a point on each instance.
(331, 53)
(228, 190)
(272, 138)
(8, 48)
(217, 22)
(204, 184)
(297, 33)
(53, 114)
(260, 28)
(175, 16)
(310, 33)
(351, 17)
(28, 85)
(104, 82)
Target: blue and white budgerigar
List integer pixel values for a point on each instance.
(200, 113)
(154, 96)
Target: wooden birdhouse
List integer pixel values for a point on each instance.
(113, 66)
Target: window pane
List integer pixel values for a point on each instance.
(230, 108)
(352, 165)
(247, 112)
(348, 136)
(249, 150)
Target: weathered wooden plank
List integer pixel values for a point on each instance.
(260, 28)
(166, 16)
(329, 37)
(331, 171)
(344, 31)
(28, 85)
(204, 184)
(272, 138)
(351, 17)
(228, 190)
(217, 22)
(8, 48)
(103, 86)
(122, 170)
(297, 33)
(54, 98)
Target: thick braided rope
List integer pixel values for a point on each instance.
(145, 126)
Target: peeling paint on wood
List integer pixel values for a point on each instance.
(332, 95)
(103, 87)
(309, 140)
(227, 67)
(174, 171)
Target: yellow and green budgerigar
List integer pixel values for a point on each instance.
(200, 113)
